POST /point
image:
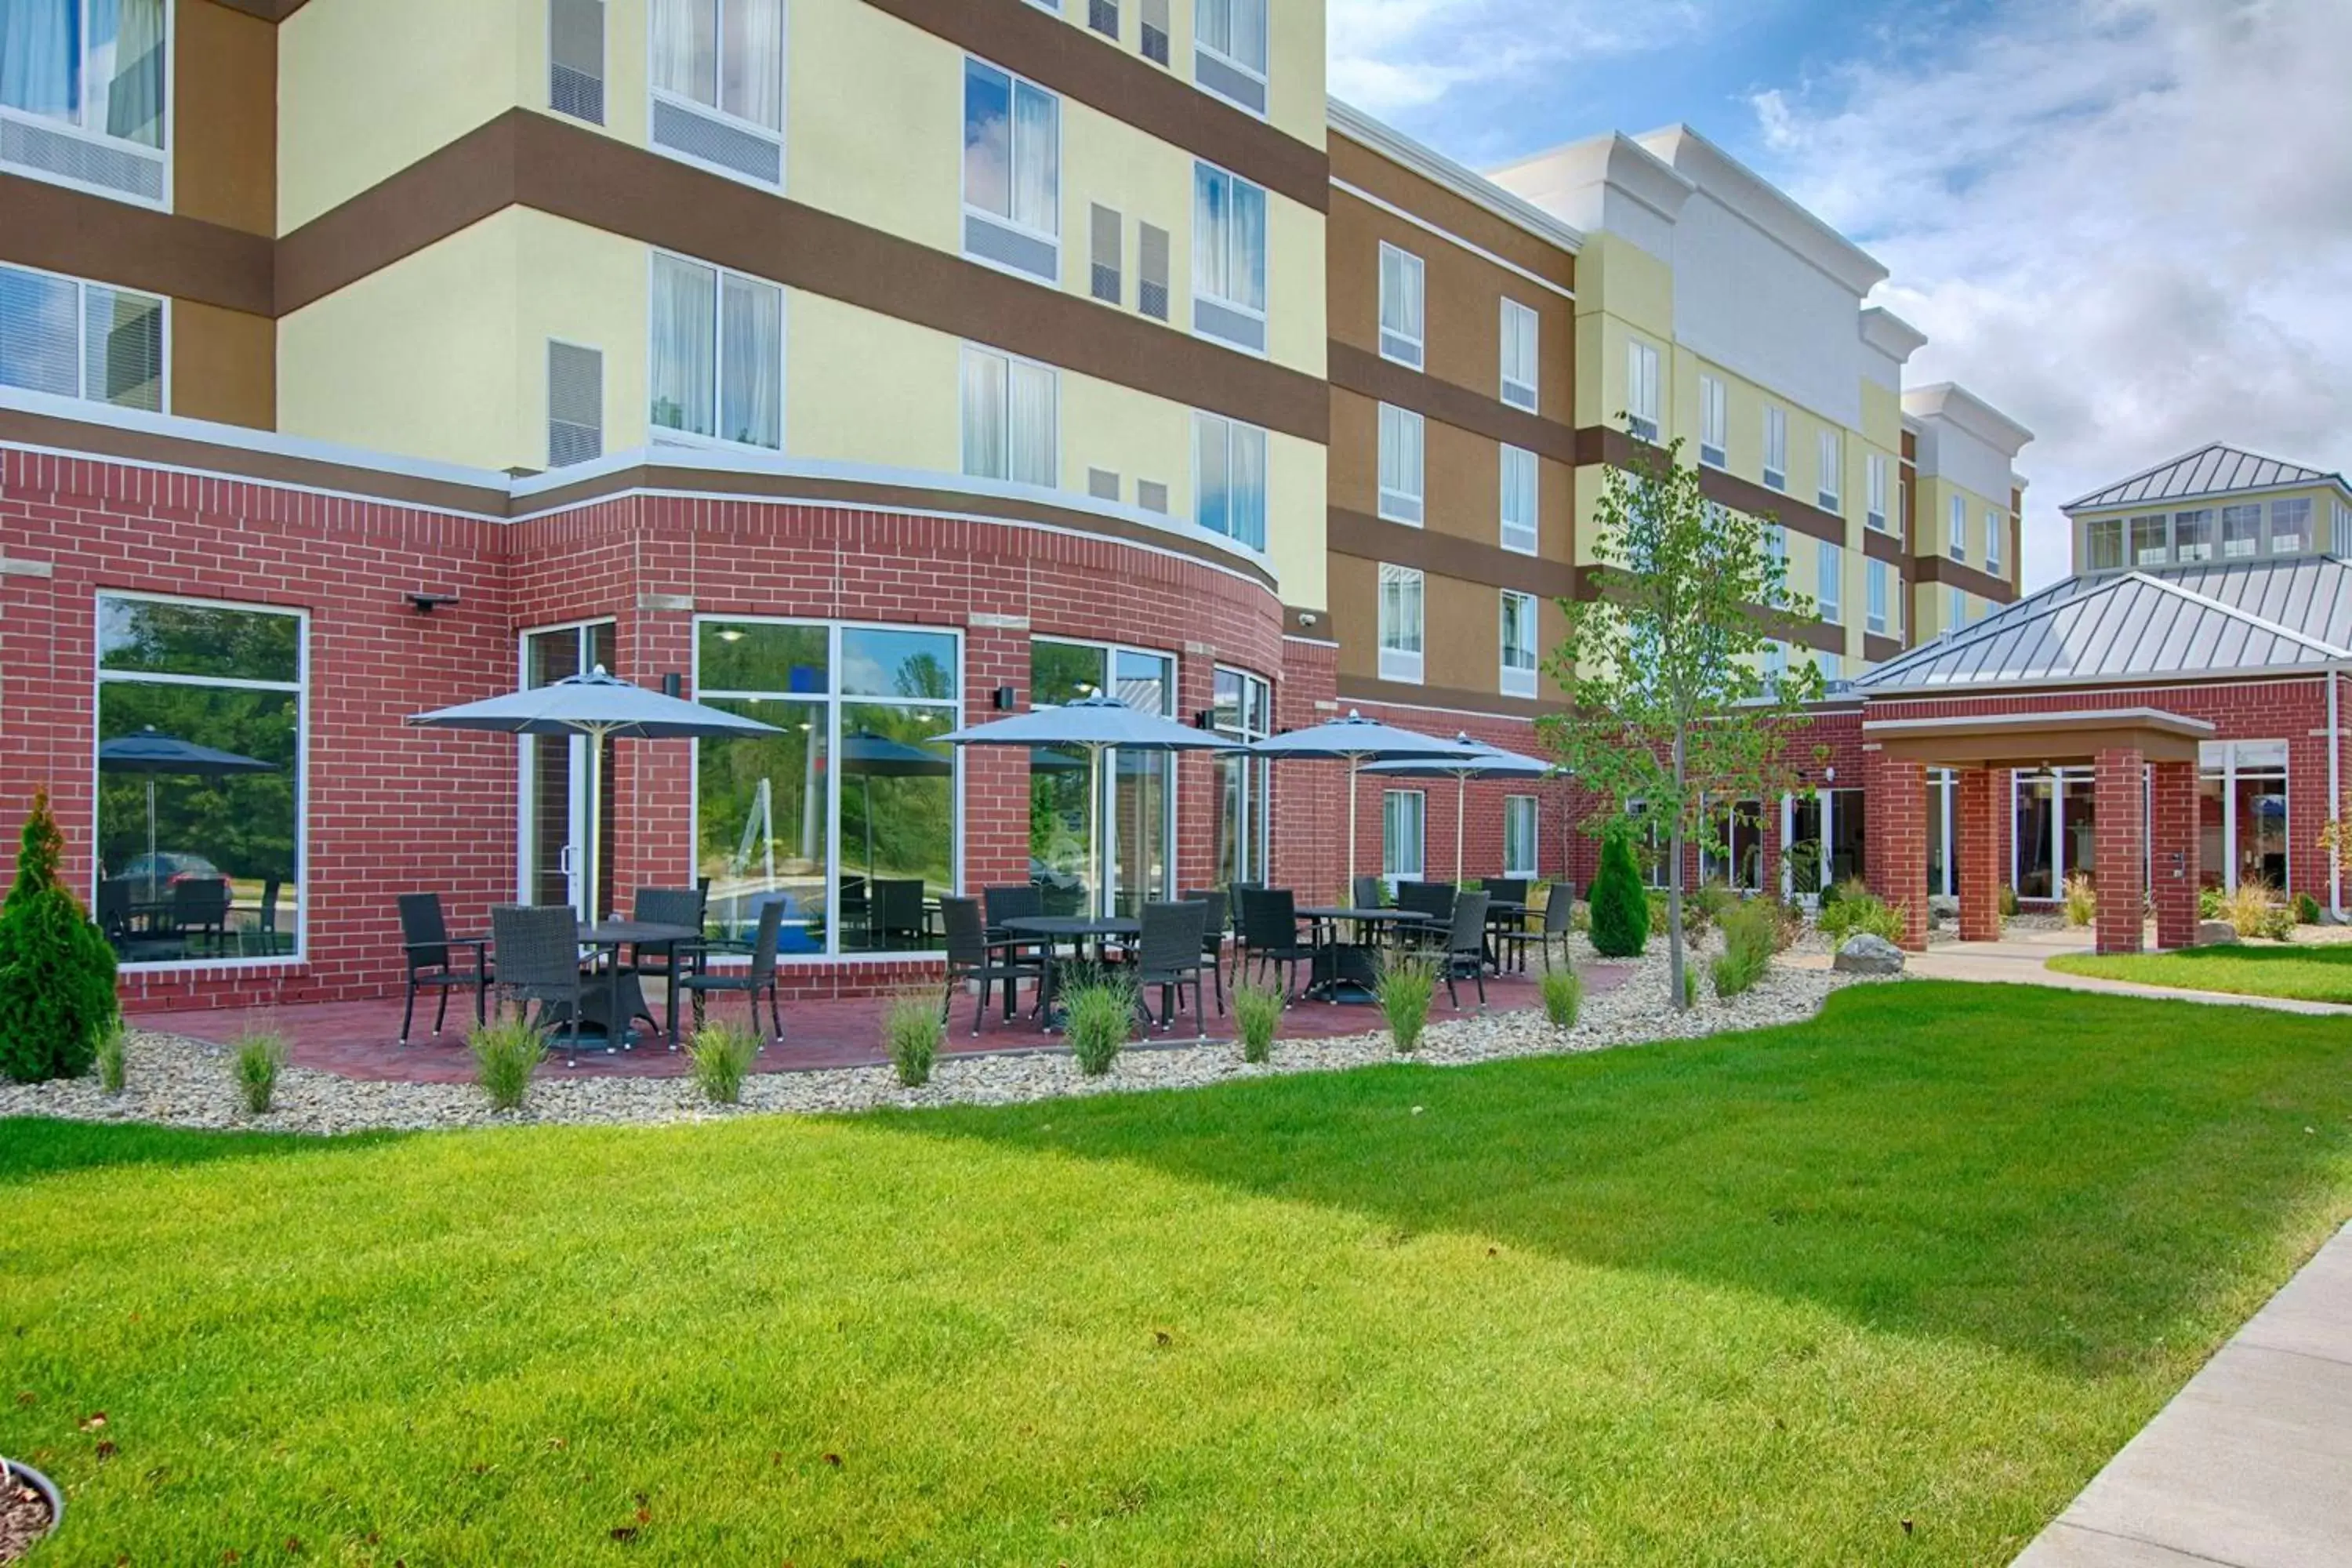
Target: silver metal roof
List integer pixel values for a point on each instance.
(2143, 625)
(2211, 470)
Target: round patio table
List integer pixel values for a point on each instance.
(1074, 929)
(1355, 963)
(623, 995)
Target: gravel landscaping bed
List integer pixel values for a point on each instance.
(177, 1081)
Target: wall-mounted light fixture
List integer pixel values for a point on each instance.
(673, 684)
(1003, 699)
(425, 604)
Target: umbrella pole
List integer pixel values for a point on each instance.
(1353, 765)
(1461, 791)
(1096, 818)
(595, 817)
(150, 838)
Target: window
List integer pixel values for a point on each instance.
(1650, 845)
(1401, 432)
(2192, 536)
(1156, 30)
(1102, 16)
(1831, 664)
(1830, 560)
(2241, 531)
(1829, 482)
(1956, 608)
(1776, 667)
(82, 86)
(1713, 421)
(1403, 820)
(1244, 712)
(1874, 580)
(2103, 543)
(1522, 346)
(1229, 479)
(1012, 173)
(1519, 643)
(1995, 526)
(1152, 271)
(2289, 526)
(1731, 844)
(719, 85)
(1401, 326)
(2343, 531)
(1400, 623)
(71, 339)
(1776, 447)
(717, 355)
(1012, 419)
(859, 711)
(1874, 492)
(575, 404)
(1642, 390)
(1519, 500)
(2241, 813)
(1124, 822)
(576, 59)
(1107, 282)
(1228, 259)
(1519, 835)
(1229, 55)
(2151, 540)
(199, 866)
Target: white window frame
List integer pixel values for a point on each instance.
(1522, 331)
(711, 111)
(81, 287)
(1519, 613)
(1402, 649)
(972, 351)
(1828, 483)
(1956, 607)
(1776, 447)
(1713, 421)
(1874, 492)
(1956, 544)
(1265, 77)
(1207, 426)
(1828, 576)
(1394, 805)
(1402, 431)
(662, 434)
(1411, 349)
(1876, 595)
(2270, 527)
(1642, 389)
(1993, 521)
(1528, 807)
(102, 676)
(1263, 315)
(970, 213)
(2225, 771)
(164, 156)
(1525, 484)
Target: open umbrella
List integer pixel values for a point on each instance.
(1094, 725)
(601, 706)
(1487, 762)
(156, 754)
(1356, 740)
(870, 756)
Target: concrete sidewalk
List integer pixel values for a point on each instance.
(2249, 1466)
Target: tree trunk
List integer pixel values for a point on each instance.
(1680, 993)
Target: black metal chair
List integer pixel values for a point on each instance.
(265, 917)
(200, 905)
(1270, 926)
(667, 907)
(1465, 954)
(536, 948)
(1213, 935)
(1019, 902)
(1168, 951)
(753, 978)
(896, 920)
(1434, 899)
(974, 954)
(1369, 892)
(431, 950)
(1507, 889)
(1559, 910)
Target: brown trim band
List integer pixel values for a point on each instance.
(1400, 694)
(1084, 65)
(268, 10)
(1878, 649)
(1878, 545)
(527, 158)
(1593, 583)
(96, 236)
(1943, 569)
(1605, 444)
(1366, 374)
(1446, 555)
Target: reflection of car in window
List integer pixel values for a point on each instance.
(167, 867)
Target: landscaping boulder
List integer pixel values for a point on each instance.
(2216, 933)
(1867, 954)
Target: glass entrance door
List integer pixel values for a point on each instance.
(555, 779)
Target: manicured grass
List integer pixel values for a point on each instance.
(2315, 974)
(1760, 1299)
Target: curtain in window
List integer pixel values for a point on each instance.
(40, 53)
(1031, 420)
(1400, 288)
(987, 139)
(751, 354)
(1248, 490)
(686, 48)
(1248, 277)
(753, 86)
(983, 415)
(1212, 474)
(1212, 222)
(126, 53)
(1037, 159)
(684, 333)
(122, 342)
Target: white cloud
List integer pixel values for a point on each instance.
(1390, 56)
(2127, 222)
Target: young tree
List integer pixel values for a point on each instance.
(56, 971)
(1669, 699)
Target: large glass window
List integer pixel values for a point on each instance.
(1519, 835)
(73, 339)
(2034, 872)
(1229, 479)
(718, 354)
(1829, 582)
(1520, 500)
(1012, 419)
(2103, 543)
(1522, 334)
(1942, 875)
(849, 816)
(2241, 813)
(199, 780)
(1403, 814)
(2241, 531)
(1230, 52)
(2192, 535)
(95, 65)
(1776, 447)
(2290, 525)
(1995, 526)
(1400, 623)
(1118, 823)
(1519, 672)
(1244, 712)
(1713, 421)
(2151, 540)
(1401, 434)
(727, 54)
(1402, 322)
(1874, 580)
(555, 771)
(1874, 471)
(1829, 469)
(1228, 259)
(1011, 170)
(1731, 850)
(1642, 389)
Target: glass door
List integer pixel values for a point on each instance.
(1143, 791)
(555, 779)
(1123, 822)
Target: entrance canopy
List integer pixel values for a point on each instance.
(2038, 742)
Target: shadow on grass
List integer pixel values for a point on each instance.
(33, 1147)
(2067, 1177)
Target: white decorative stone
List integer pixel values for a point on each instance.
(1868, 955)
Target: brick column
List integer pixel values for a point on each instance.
(1976, 843)
(1898, 841)
(1198, 800)
(2121, 879)
(995, 778)
(2175, 874)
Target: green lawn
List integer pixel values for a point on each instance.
(1761, 1300)
(2315, 974)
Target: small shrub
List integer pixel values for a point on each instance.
(2008, 902)
(1580, 918)
(1405, 988)
(57, 968)
(260, 1058)
(113, 1047)
(1706, 906)
(1793, 923)
(2082, 900)
(1830, 895)
(720, 1056)
(1690, 989)
(1257, 1013)
(2210, 904)
(507, 1051)
(913, 1026)
(1620, 907)
(1858, 914)
(1101, 1014)
(2307, 909)
(2252, 910)
(1751, 935)
(1563, 996)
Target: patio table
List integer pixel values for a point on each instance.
(1354, 964)
(1074, 929)
(624, 995)
(1503, 916)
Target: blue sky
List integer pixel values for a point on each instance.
(2127, 223)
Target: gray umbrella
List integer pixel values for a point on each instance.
(156, 754)
(1356, 741)
(1094, 725)
(601, 707)
(871, 756)
(1487, 762)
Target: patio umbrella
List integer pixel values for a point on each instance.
(1489, 763)
(1356, 740)
(871, 756)
(601, 707)
(1094, 725)
(156, 754)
